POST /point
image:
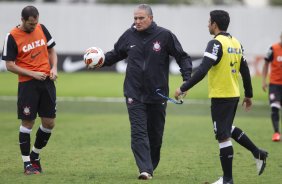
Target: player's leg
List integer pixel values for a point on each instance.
(275, 104)
(156, 122)
(275, 108)
(42, 136)
(47, 112)
(239, 136)
(260, 155)
(24, 141)
(27, 110)
(223, 112)
(139, 137)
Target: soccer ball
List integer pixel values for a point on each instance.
(94, 57)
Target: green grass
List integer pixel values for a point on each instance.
(91, 140)
(106, 84)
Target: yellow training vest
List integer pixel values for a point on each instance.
(223, 77)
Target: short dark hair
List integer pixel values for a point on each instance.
(29, 11)
(221, 18)
(145, 7)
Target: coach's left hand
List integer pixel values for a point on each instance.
(179, 94)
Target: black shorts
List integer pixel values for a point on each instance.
(36, 96)
(223, 111)
(275, 93)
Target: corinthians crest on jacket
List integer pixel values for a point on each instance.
(157, 46)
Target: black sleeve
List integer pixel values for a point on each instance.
(246, 77)
(201, 72)
(269, 55)
(50, 42)
(10, 49)
(182, 58)
(118, 53)
(212, 56)
(214, 51)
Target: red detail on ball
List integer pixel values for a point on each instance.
(91, 50)
(88, 61)
(100, 61)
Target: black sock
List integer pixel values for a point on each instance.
(24, 141)
(34, 156)
(275, 118)
(239, 136)
(40, 142)
(26, 164)
(226, 158)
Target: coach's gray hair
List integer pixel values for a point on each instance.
(145, 7)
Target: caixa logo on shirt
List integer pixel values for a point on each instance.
(33, 45)
(234, 50)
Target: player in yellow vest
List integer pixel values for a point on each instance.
(223, 60)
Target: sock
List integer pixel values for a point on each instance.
(226, 158)
(275, 118)
(42, 137)
(239, 136)
(26, 164)
(24, 141)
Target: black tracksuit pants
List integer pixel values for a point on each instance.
(147, 126)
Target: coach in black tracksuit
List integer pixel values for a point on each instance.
(147, 48)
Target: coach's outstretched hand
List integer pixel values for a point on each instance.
(179, 94)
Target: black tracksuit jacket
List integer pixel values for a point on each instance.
(147, 55)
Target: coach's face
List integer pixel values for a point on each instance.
(142, 20)
(29, 24)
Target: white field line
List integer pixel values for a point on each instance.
(119, 100)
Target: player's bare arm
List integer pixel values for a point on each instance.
(12, 67)
(53, 62)
(264, 76)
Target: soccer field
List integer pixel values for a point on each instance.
(91, 140)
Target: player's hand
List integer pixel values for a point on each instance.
(39, 76)
(53, 74)
(179, 94)
(247, 103)
(264, 86)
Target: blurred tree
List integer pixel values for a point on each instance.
(145, 1)
(276, 2)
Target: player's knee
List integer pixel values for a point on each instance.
(274, 110)
(275, 114)
(28, 123)
(237, 133)
(275, 106)
(222, 140)
(48, 123)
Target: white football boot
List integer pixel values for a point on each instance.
(220, 181)
(145, 176)
(261, 161)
